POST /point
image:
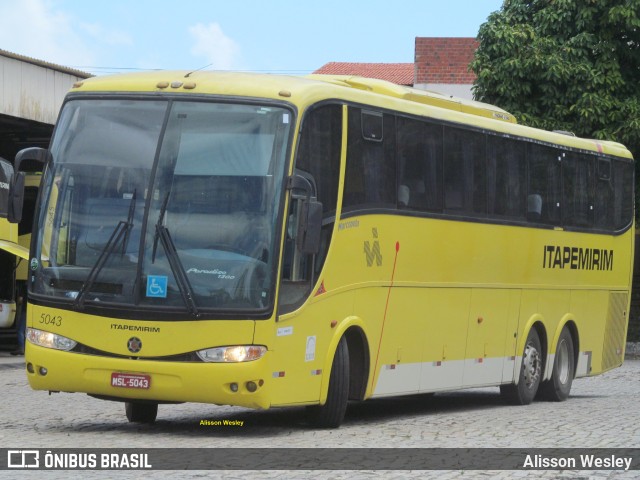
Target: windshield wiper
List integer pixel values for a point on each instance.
(163, 210)
(132, 211)
(121, 232)
(162, 234)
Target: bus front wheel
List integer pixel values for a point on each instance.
(558, 387)
(141, 412)
(331, 414)
(525, 390)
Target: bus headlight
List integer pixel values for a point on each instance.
(233, 354)
(49, 340)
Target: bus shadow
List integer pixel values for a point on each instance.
(385, 409)
(276, 422)
(281, 421)
(391, 409)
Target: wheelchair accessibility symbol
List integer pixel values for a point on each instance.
(157, 286)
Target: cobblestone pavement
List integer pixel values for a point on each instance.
(602, 412)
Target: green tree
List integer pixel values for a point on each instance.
(565, 65)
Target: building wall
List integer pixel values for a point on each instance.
(31, 91)
(442, 65)
(455, 90)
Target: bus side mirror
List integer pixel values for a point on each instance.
(12, 180)
(32, 159)
(11, 192)
(309, 225)
(309, 215)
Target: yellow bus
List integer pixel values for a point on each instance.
(268, 241)
(15, 237)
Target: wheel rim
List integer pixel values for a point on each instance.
(562, 360)
(531, 365)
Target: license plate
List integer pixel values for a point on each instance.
(130, 380)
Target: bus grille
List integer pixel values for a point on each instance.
(615, 329)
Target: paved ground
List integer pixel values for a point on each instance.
(603, 412)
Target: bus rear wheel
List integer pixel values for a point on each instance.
(525, 390)
(331, 414)
(141, 412)
(558, 387)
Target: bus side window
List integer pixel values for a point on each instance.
(506, 180)
(578, 190)
(623, 174)
(464, 172)
(419, 165)
(318, 160)
(370, 177)
(544, 183)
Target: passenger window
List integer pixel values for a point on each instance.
(623, 173)
(506, 178)
(544, 199)
(614, 194)
(370, 178)
(464, 172)
(419, 165)
(578, 190)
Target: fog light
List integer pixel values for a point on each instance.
(252, 387)
(30, 368)
(234, 387)
(42, 371)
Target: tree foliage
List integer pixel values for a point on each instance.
(565, 65)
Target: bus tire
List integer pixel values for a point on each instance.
(331, 414)
(141, 412)
(558, 387)
(530, 373)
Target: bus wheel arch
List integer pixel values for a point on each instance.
(347, 379)
(331, 413)
(529, 378)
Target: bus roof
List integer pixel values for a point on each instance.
(425, 97)
(305, 90)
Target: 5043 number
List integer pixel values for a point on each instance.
(48, 319)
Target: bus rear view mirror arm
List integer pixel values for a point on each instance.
(309, 215)
(309, 226)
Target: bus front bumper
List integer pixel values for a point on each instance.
(241, 384)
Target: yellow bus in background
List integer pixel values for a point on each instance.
(15, 239)
(268, 241)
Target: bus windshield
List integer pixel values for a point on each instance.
(157, 204)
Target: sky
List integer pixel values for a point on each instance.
(272, 36)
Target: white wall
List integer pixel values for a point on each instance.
(31, 91)
(456, 90)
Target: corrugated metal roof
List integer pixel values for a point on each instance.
(41, 63)
(398, 73)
